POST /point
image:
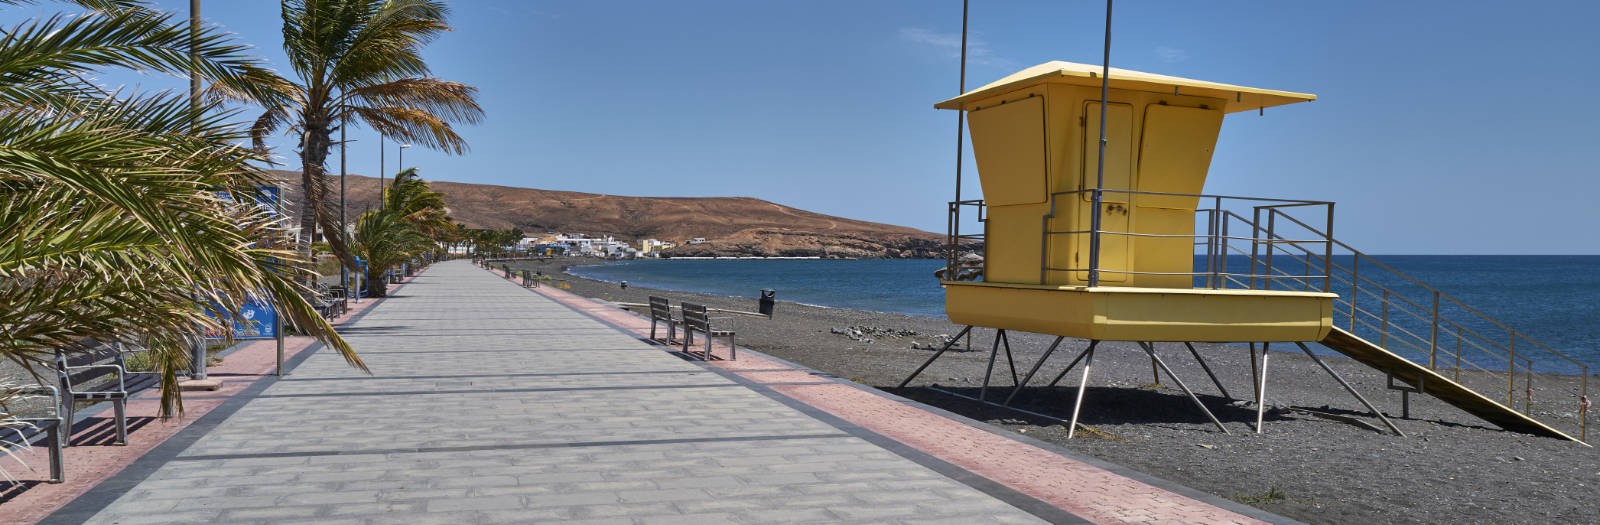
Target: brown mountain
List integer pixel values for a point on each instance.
(732, 226)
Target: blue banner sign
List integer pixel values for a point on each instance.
(257, 318)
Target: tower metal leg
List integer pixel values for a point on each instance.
(1074, 362)
(993, 353)
(935, 356)
(1150, 348)
(1351, 390)
(1077, 404)
(1004, 338)
(1261, 385)
(1254, 371)
(1207, 368)
(1035, 369)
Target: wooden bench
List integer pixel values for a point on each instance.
(98, 372)
(695, 319)
(36, 428)
(661, 312)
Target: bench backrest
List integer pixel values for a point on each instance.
(660, 309)
(87, 353)
(695, 318)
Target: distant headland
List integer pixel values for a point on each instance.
(728, 226)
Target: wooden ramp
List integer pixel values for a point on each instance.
(1437, 385)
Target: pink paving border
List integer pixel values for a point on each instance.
(89, 465)
(1085, 490)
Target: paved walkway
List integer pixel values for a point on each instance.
(489, 404)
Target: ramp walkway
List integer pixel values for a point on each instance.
(1437, 385)
(489, 403)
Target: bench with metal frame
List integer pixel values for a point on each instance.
(661, 312)
(86, 376)
(696, 319)
(330, 301)
(48, 428)
(340, 297)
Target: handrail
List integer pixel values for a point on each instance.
(1443, 295)
(1514, 333)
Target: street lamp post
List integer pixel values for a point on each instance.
(344, 221)
(403, 156)
(197, 359)
(381, 173)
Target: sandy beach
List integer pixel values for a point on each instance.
(1451, 467)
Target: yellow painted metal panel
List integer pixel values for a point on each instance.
(1114, 209)
(1143, 314)
(1175, 152)
(1012, 242)
(1163, 254)
(1041, 311)
(1235, 98)
(1008, 143)
(1215, 318)
(1119, 150)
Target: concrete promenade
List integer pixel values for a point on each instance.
(490, 403)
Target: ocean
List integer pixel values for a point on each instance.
(1552, 299)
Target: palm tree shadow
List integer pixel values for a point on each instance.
(13, 489)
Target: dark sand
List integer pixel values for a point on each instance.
(1452, 467)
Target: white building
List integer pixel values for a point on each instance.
(653, 247)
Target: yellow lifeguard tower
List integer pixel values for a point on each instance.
(1035, 136)
(1130, 248)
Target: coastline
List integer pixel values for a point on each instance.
(1305, 467)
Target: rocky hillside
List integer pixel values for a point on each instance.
(732, 226)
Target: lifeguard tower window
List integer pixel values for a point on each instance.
(1008, 139)
(1175, 154)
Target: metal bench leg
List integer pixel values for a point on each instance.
(121, 407)
(71, 410)
(652, 329)
(733, 349)
(58, 440)
(707, 356)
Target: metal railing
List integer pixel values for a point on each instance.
(1223, 226)
(954, 239)
(1418, 321)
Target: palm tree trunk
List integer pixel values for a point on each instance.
(376, 285)
(313, 212)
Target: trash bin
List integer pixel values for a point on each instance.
(767, 302)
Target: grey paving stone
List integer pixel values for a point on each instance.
(462, 359)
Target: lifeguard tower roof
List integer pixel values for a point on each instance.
(1238, 98)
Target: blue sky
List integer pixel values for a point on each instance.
(1442, 127)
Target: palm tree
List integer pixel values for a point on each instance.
(361, 61)
(129, 217)
(415, 200)
(402, 229)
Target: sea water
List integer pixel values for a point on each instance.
(1552, 299)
